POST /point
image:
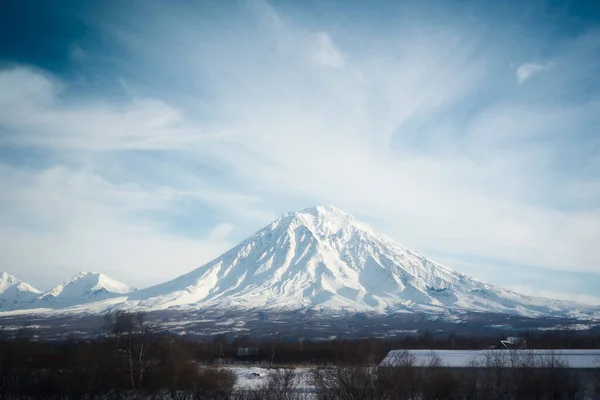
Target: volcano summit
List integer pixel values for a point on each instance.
(324, 259)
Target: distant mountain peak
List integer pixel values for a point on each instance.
(322, 221)
(84, 274)
(323, 257)
(7, 281)
(323, 211)
(84, 286)
(14, 292)
(326, 214)
(317, 258)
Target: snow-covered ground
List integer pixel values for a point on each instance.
(252, 378)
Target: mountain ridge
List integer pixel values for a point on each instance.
(14, 292)
(324, 258)
(81, 288)
(320, 258)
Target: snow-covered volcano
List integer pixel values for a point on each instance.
(84, 287)
(15, 293)
(324, 258)
(320, 258)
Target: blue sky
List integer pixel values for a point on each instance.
(141, 139)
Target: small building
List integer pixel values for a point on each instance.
(572, 359)
(506, 365)
(511, 343)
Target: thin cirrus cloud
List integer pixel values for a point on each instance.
(580, 298)
(34, 115)
(324, 52)
(416, 128)
(527, 70)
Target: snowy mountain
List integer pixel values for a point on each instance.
(15, 293)
(320, 258)
(323, 258)
(82, 288)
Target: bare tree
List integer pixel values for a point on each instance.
(438, 382)
(281, 384)
(218, 346)
(132, 336)
(345, 383)
(400, 379)
(6, 367)
(214, 384)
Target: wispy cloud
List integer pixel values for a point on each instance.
(62, 220)
(527, 70)
(324, 52)
(34, 115)
(417, 128)
(580, 298)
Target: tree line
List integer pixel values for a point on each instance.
(135, 360)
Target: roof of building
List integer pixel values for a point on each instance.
(507, 358)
